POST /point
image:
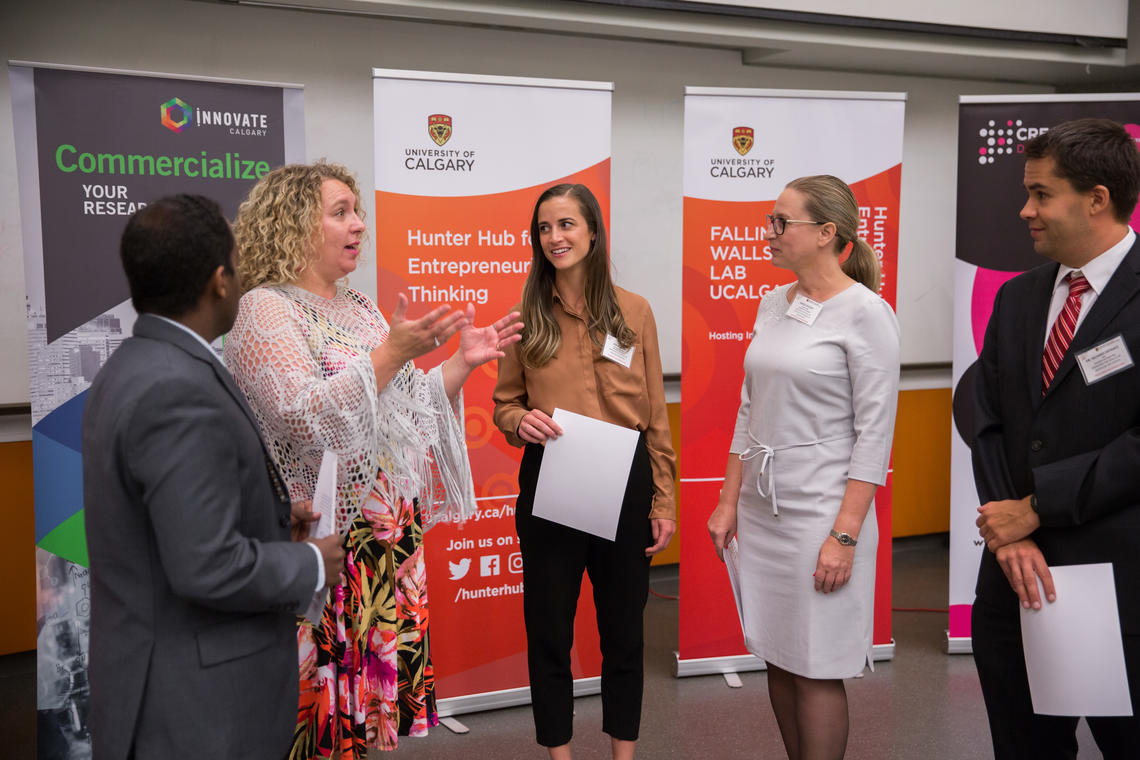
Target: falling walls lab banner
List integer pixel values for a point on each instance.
(993, 245)
(460, 161)
(92, 147)
(741, 147)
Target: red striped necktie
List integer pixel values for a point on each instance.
(1061, 335)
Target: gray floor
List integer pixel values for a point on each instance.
(923, 704)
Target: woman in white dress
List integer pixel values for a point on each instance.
(812, 443)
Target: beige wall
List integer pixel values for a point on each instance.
(332, 56)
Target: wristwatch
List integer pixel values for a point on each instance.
(844, 538)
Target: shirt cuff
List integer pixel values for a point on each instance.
(663, 508)
(320, 566)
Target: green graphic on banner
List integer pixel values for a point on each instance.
(68, 540)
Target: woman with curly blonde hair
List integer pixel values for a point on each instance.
(324, 370)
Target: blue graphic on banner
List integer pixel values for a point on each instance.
(58, 466)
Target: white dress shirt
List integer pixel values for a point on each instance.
(1098, 272)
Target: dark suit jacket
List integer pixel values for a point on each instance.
(1078, 448)
(194, 580)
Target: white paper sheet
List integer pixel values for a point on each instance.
(584, 474)
(1073, 652)
(732, 564)
(324, 504)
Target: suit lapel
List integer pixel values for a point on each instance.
(1036, 314)
(1121, 288)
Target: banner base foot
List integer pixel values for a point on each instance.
(959, 644)
(733, 680)
(703, 666)
(495, 700)
(881, 652)
(730, 665)
(453, 725)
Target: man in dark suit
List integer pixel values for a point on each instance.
(195, 583)
(1057, 436)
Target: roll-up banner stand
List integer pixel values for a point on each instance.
(741, 147)
(92, 146)
(460, 161)
(993, 245)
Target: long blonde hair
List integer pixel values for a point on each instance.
(541, 338)
(279, 221)
(829, 199)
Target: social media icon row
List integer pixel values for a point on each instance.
(489, 565)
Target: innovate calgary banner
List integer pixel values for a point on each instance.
(741, 148)
(460, 161)
(992, 246)
(92, 147)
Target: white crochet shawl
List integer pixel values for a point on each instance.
(302, 362)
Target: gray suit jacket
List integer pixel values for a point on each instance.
(194, 580)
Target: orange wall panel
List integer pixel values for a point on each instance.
(921, 502)
(17, 549)
(922, 463)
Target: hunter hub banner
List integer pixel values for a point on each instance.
(460, 162)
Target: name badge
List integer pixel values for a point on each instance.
(615, 353)
(1105, 359)
(805, 310)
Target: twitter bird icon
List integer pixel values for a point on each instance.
(460, 568)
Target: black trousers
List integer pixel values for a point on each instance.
(554, 558)
(1016, 731)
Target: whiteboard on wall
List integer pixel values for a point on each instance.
(1065, 17)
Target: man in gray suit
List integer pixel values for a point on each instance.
(195, 582)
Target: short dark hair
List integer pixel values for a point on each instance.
(170, 249)
(1091, 152)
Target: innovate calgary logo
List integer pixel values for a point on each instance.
(176, 115)
(440, 128)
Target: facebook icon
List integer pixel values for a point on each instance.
(489, 564)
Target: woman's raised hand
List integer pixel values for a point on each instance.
(478, 345)
(409, 338)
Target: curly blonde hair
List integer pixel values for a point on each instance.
(278, 224)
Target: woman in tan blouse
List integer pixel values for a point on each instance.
(572, 311)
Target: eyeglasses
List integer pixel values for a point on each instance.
(777, 224)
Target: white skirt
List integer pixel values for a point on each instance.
(786, 621)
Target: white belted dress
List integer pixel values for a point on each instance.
(817, 407)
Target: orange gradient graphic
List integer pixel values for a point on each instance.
(727, 270)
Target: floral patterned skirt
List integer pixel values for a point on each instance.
(366, 674)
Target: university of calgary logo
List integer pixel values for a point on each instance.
(742, 139)
(439, 127)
